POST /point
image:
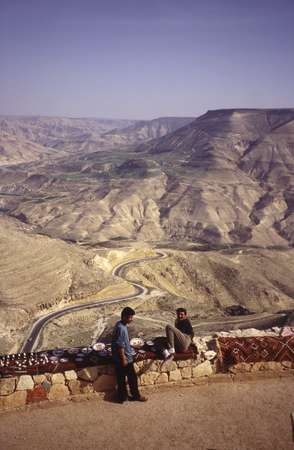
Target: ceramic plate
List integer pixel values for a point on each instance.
(73, 351)
(150, 343)
(53, 359)
(99, 346)
(137, 342)
(86, 350)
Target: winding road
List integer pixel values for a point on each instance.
(262, 320)
(32, 339)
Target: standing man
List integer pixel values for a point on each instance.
(180, 336)
(123, 359)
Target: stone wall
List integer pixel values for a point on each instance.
(22, 390)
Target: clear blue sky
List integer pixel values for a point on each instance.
(144, 59)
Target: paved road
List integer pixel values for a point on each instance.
(32, 339)
(223, 416)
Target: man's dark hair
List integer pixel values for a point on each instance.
(127, 311)
(181, 310)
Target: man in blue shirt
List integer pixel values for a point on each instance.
(123, 359)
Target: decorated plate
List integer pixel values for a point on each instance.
(86, 350)
(64, 360)
(73, 351)
(53, 359)
(99, 346)
(137, 342)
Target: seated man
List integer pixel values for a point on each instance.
(180, 336)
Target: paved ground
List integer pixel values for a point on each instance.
(223, 416)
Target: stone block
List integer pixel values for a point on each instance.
(182, 364)
(186, 373)
(38, 394)
(175, 375)
(104, 383)
(58, 392)
(287, 364)
(25, 382)
(39, 379)
(148, 378)
(162, 378)
(242, 367)
(74, 387)
(15, 400)
(86, 387)
(88, 374)
(202, 370)
(273, 365)
(7, 386)
(70, 375)
(261, 365)
(57, 378)
(168, 366)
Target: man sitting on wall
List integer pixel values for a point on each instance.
(123, 359)
(180, 336)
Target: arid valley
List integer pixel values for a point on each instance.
(78, 197)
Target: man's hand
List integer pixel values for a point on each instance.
(122, 357)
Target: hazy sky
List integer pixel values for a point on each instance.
(144, 59)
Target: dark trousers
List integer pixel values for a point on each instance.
(121, 374)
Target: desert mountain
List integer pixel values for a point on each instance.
(17, 150)
(56, 131)
(144, 131)
(225, 178)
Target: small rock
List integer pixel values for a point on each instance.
(25, 382)
(7, 386)
(209, 355)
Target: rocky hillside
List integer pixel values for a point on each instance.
(144, 131)
(37, 273)
(225, 178)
